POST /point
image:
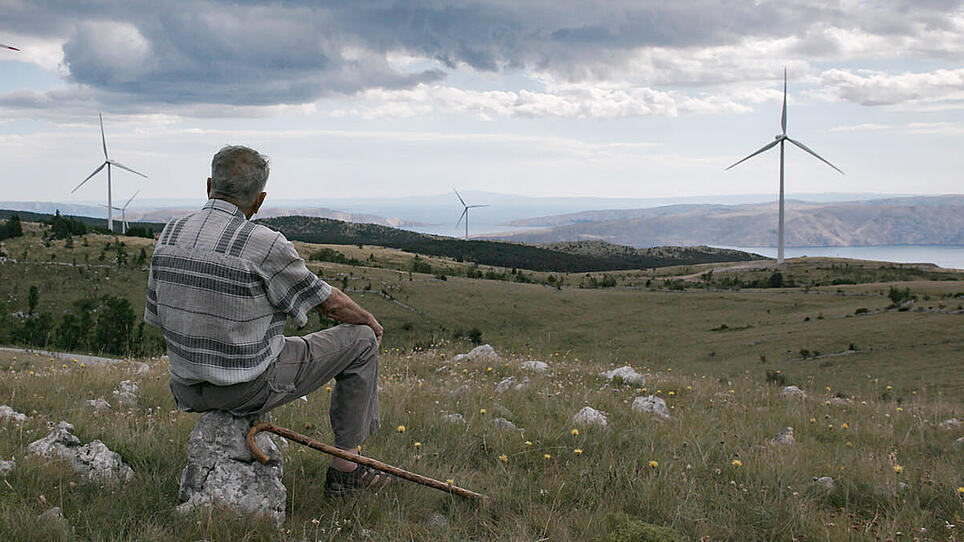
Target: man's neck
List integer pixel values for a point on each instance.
(248, 213)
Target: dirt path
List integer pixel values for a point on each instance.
(137, 366)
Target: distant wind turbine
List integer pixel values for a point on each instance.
(107, 162)
(123, 210)
(465, 213)
(781, 139)
(11, 47)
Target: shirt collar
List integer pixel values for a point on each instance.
(225, 206)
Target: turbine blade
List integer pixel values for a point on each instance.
(460, 197)
(132, 199)
(783, 121)
(465, 212)
(103, 139)
(122, 166)
(474, 206)
(817, 156)
(96, 171)
(765, 148)
(11, 47)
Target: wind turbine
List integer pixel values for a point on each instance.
(123, 210)
(465, 213)
(107, 162)
(11, 47)
(781, 139)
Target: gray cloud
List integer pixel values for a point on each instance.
(216, 52)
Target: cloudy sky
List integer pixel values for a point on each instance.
(637, 98)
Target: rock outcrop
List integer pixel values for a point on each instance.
(784, 437)
(95, 461)
(590, 416)
(535, 366)
(626, 375)
(7, 413)
(479, 353)
(651, 404)
(126, 393)
(220, 469)
(794, 392)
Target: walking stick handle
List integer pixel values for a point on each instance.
(259, 454)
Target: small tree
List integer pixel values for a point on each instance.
(33, 296)
(775, 280)
(115, 325)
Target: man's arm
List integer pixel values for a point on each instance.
(344, 309)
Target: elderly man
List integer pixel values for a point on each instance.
(221, 288)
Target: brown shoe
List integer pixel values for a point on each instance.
(342, 484)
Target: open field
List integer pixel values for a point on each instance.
(899, 372)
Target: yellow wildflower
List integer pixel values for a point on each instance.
(653, 464)
(898, 469)
(575, 432)
(401, 429)
(488, 369)
(899, 409)
(450, 482)
(736, 463)
(844, 426)
(577, 451)
(481, 411)
(813, 420)
(889, 387)
(547, 456)
(528, 443)
(327, 388)
(504, 458)
(731, 392)
(960, 490)
(850, 444)
(689, 388)
(418, 444)
(672, 393)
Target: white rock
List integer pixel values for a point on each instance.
(535, 366)
(793, 391)
(95, 461)
(825, 482)
(439, 521)
(959, 442)
(784, 437)
(98, 404)
(841, 401)
(627, 374)
(6, 467)
(952, 423)
(504, 386)
(53, 514)
(902, 486)
(522, 385)
(454, 418)
(461, 390)
(651, 404)
(221, 471)
(504, 424)
(590, 416)
(479, 353)
(126, 393)
(11, 414)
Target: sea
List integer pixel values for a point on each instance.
(947, 256)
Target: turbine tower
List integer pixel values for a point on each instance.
(465, 214)
(107, 162)
(781, 139)
(123, 210)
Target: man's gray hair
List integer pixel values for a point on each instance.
(239, 174)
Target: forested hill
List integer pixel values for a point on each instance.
(101, 223)
(497, 253)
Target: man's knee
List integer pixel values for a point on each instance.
(363, 333)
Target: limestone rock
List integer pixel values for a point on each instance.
(461, 390)
(522, 385)
(952, 423)
(784, 437)
(126, 393)
(841, 401)
(7, 413)
(6, 467)
(479, 353)
(221, 470)
(959, 442)
(535, 366)
(504, 385)
(504, 424)
(438, 521)
(95, 461)
(98, 404)
(627, 374)
(53, 514)
(651, 404)
(793, 392)
(590, 416)
(825, 482)
(454, 418)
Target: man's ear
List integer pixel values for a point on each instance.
(209, 187)
(257, 203)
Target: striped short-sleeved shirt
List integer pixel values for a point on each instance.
(220, 289)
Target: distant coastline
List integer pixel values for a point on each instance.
(946, 256)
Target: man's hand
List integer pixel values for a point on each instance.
(344, 309)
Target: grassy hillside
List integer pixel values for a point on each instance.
(100, 223)
(326, 231)
(717, 352)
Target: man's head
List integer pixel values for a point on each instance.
(238, 175)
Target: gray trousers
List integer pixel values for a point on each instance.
(348, 353)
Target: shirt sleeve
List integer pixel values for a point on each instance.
(289, 285)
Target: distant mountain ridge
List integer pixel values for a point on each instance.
(562, 258)
(937, 220)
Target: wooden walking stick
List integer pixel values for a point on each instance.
(354, 458)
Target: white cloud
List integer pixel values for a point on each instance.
(935, 89)
(865, 127)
